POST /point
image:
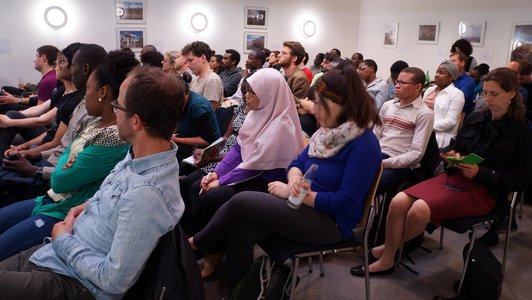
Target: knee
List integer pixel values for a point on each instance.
(420, 211)
(400, 203)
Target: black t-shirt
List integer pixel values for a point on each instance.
(65, 103)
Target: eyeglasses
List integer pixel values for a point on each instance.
(399, 82)
(116, 107)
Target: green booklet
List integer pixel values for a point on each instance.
(470, 159)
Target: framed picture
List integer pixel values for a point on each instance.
(254, 40)
(428, 33)
(473, 32)
(390, 35)
(131, 37)
(130, 11)
(255, 17)
(521, 34)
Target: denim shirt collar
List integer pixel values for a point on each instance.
(139, 165)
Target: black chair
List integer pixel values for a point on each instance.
(463, 225)
(171, 272)
(280, 249)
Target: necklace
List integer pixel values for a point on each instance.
(108, 124)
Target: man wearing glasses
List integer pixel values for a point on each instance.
(101, 247)
(405, 131)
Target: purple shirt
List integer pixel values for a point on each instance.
(46, 86)
(229, 173)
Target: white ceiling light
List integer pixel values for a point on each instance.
(309, 28)
(199, 22)
(55, 17)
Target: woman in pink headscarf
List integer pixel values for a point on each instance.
(270, 138)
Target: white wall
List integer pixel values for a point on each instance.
(495, 52)
(22, 27)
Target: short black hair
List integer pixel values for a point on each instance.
(260, 54)
(398, 66)
(92, 55)
(331, 56)
(70, 50)
(157, 98)
(370, 63)
(50, 52)
(114, 69)
(463, 46)
(419, 75)
(198, 48)
(234, 55)
(152, 58)
(482, 69)
(268, 52)
(336, 51)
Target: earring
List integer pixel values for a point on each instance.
(100, 99)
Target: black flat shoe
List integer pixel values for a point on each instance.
(359, 271)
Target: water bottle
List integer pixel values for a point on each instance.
(295, 202)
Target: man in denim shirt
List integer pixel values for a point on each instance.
(99, 250)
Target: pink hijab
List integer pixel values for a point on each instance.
(271, 137)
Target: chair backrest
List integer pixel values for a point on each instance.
(370, 196)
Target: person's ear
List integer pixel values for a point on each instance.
(104, 90)
(86, 70)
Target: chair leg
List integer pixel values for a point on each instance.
(322, 272)
(441, 237)
(381, 200)
(366, 269)
(294, 278)
(466, 263)
(511, 216)
(521, 203)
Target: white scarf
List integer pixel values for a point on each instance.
(327, 142)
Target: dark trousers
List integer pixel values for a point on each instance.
(391, 179)
(208, 203)
(8, 134)
(21, 279)
(309, 124)
(250, 217)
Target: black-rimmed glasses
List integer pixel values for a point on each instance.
(117, 107)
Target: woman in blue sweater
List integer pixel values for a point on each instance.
(347, 154)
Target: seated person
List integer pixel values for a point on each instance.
(261, 153)
(101, 247)
(169, 61)
(446, 101)
(395, 69)
(477, 74)
(347, 154)
(33, 170)
(405, 130)
(80, 170)
(206, 166)
(499, 135)
(30, 123)
(44, 62)
(376, 87)
(198, 125)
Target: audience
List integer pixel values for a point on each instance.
(152, 59)
(465, 190)
(357, 58)
(395, 69)
(446, 101)
(477, 74)
(216, 63)
(27, 176)
(464, 82)
(81, 168)
(346, 152)
(259, 156)
(206, 83)
(169, 62)
(273, 59)
(316, 64)
(406, 127)
(103, 256)
(376, 87)
(198, 125)
(230, 75)
(523, 71)
(464, 46)
(44, 62)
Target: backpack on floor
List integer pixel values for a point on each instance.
(265, 280)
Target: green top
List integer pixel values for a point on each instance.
(84, 178)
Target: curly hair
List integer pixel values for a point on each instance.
(296, 49)
(114, 69)
(198, 48)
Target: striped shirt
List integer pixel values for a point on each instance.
(404, 133)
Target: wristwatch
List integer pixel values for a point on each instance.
(38, 173)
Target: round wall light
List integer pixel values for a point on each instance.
(55, 17)
(309, 28)
(199, 22)
(462, 28)
(516, 44)
(120, 11)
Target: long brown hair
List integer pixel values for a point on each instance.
(507, 80)
(343, 86)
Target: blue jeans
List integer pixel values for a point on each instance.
(19, 230)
